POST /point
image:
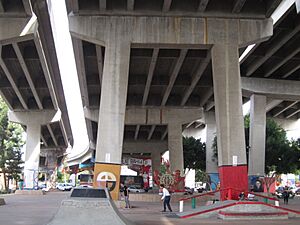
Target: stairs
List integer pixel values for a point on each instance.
(231, 215)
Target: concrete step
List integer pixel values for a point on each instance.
(242, 207)
(206, 211)
(233, 215)
(2, 202)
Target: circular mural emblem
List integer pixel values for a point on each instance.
(167, 180)
(106, 180)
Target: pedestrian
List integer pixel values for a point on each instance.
(242, 196)
(286, 195)
(250, 195)
(126, 196)
(166, 197)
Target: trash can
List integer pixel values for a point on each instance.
(193, 203)
(20, 184)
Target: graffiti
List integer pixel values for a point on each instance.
(106, 180)
(173, 181)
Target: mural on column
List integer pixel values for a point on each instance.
(140, 164)
(173, 181)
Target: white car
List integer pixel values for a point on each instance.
(64, 187)
(135, 189)
(85, 186)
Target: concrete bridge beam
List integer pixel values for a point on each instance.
(277, 89)
(153, 116)
(172, 30)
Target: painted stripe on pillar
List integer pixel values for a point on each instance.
(235, 177)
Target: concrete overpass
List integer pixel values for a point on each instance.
(30, 83)
(138, 60)
(148, 69)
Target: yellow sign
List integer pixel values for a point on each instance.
(108, 176)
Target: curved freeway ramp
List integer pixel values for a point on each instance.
(93, 207)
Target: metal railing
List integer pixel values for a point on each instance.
(227, 194)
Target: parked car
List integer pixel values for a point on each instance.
(42, 185)
(64, 186)
(188, 190)
(85, 186)
(294, 189)
(297, 192)
(201, 190)
(135, 189)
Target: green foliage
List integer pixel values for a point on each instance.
(194, 153)
(163, 168)
(247, 121)
(59, 177)
(62, 177)
(10, 145)
(202, 176)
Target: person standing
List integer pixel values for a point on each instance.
(126, 196)
(166, 197)
(286, 195)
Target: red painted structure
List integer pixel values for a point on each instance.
(238, 203)
(233, 177)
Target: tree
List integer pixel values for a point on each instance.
(10, 146)
(194, 153)
(282, 155)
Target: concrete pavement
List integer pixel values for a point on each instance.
(38, 210)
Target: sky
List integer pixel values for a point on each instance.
(68, 70)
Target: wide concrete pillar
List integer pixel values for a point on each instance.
(229, 117)
(33, 122)
(211, 161)
(257, 135)
(175, 146)
(211, 129)
(112, 114)
(156, 161)
(32, 155)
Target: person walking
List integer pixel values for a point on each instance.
(126, 196)
(286, 195)
(166, 197)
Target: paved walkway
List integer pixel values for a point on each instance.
(38, 210)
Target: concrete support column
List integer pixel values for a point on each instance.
(211, 161)
(156, 160)
(175, 146)
(112, 114)
(229, 117)
(33, 122)
(32, 155)
(257, 135)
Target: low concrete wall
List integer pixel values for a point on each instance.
(155, 197)
(29, 192)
